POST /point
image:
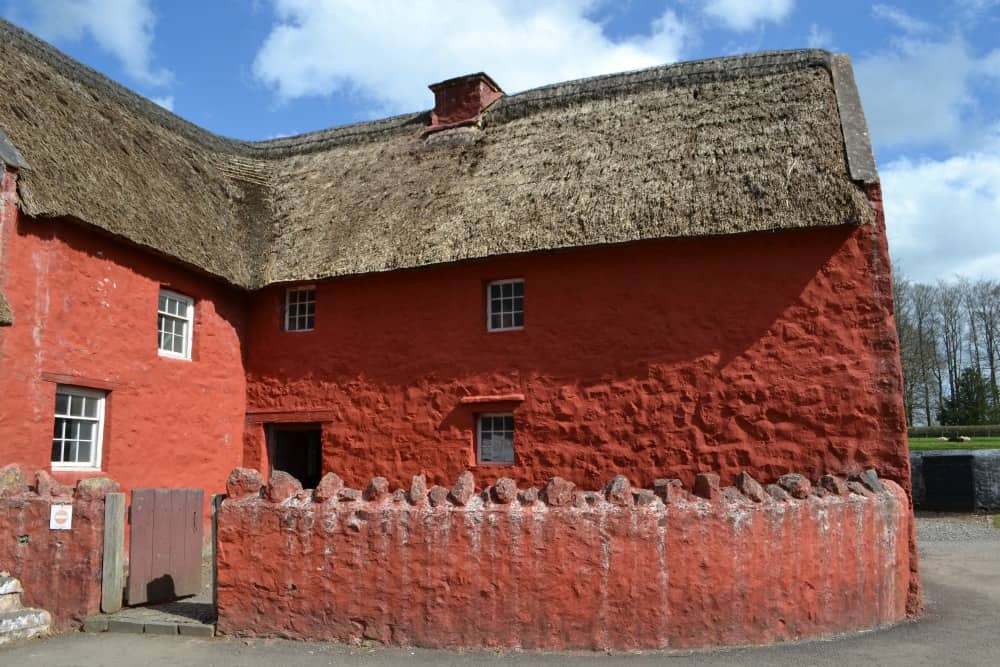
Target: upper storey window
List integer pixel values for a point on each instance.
(175, 322)
(300, 309)
(505, 305)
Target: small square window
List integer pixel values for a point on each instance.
(300, 309)
(495, 438)
(505, 305)
(78, 428)
(175, 321)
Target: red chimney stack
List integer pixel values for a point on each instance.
(462, 99)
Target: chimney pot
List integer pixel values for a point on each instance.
(460, 100)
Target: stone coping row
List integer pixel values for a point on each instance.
(15, 483)
(246, 485)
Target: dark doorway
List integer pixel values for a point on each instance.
(948, 483)
(296, 449)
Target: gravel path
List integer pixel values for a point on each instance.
(933, 527)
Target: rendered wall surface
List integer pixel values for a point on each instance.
(620, 569)
(85, 314)
(60, 570)
(770, 352)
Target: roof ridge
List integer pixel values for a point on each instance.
(509, 106)
(684, 72)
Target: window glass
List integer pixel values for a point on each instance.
(77, 428)
(300, 309)
(496, 438)
(505, 305)
(174, 325)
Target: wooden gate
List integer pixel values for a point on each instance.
(165, 544)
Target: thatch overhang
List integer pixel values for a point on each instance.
(721, 146)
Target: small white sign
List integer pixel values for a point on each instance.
(61, 517)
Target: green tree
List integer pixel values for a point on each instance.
(969, 402)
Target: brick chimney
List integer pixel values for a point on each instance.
(462, 99)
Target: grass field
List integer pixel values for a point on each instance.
(924, 444)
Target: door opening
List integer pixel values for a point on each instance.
(949, 483)
(297, 450)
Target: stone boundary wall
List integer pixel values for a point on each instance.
(560, 568)
(60, 570)
(985, 476)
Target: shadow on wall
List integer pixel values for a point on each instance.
(228, 303)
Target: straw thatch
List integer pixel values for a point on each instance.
(723, 146)
(6, 316)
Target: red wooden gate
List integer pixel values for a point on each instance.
(165, 545)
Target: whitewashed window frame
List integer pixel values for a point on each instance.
(96, 422)
(187, 318)
(492, 301)
(297, 316)
(480, 437)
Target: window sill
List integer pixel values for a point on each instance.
(495, 398)
(504, 330)
(168, 355)
(494, 464)
(69, 468)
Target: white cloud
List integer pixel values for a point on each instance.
(819, 38)
(166, 102)
(900, 19)
(943, 216)
(390, 52)
(923, 92)
(744, 15)
(123, 28)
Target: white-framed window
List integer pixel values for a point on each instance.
(79, 428)
(300, 308)
(505, 305)
(175, 322)
(495, 438)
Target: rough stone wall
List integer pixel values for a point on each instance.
(770, 352)
(60, 570)
(559, 568)
(85, 308)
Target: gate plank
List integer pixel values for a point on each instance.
(140, 545)
(195, 542)
(159, 588)
(177, 536)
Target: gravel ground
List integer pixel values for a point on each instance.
(935, 527)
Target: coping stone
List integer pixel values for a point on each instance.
(196, 629)
(126, 626)
(159, 628)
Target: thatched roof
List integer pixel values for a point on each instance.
(721, 146)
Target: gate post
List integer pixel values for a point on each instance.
(113, 566)
(216, 504)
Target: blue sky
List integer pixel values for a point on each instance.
(929, 74)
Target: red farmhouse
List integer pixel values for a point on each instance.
(662, 272)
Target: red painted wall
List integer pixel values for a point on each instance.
(592, 575)
(769, 352)
(85, 313)
(59, 570)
